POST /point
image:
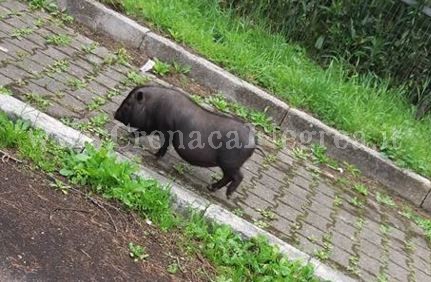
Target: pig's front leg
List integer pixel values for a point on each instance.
(164, 139)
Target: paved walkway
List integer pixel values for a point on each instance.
(65, 74)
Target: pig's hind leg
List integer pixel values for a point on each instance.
(237, 178)
(219, 184)
(164, 139)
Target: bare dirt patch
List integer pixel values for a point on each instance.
(47, 235)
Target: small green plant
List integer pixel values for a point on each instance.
(261, 223)
(40, 22)
(359, 223)
(137, 252)
(322, 255)
(319, 154)
(37, 100)
(338, 201)
(238, 212)
(161, 68)
(58, 66)
(269, 159)
(77, 84)
(422, 222)
(45, 5)
(61, 186)
(352, 169)
(112, 93)
(300, 153)
(59, 40)
(182, 69)
(384, 199)
(219, 102)
(267, 213)
(173, 268)
(382, 277)
(280, 142)
(353, 265)
(95, 125)
(384, 229)
(90, 48)
(96, 103)
(20, 33)
(361, 188)
(198, 99)
(123, 56)
(410, 246)
(134, 79)
(356, 202)
(120, 56)
(5, 91)
(182, 168)
(60, 18)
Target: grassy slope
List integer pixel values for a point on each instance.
(360, 106)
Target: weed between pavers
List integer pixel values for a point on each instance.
(20, 33)
(361, 188)
(121, 56)
(182, 168)
(235, 258)
(37, 100)
(385, 199)
(76, 84)
(134, 78)
(90, 48)
(96, 103)
(59, 66)
(59, 40)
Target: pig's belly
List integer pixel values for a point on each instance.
(198, 157)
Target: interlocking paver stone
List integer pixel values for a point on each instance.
(312, 212)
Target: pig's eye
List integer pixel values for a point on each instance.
(139, 96)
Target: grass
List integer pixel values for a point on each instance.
(161, 68)
(99, 169)
(360, 106)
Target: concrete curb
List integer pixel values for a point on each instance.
(183, 199)
(407, 184)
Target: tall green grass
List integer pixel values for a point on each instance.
(359, 106)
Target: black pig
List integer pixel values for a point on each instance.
(180, 121)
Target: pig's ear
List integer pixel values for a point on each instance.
(139, 96)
